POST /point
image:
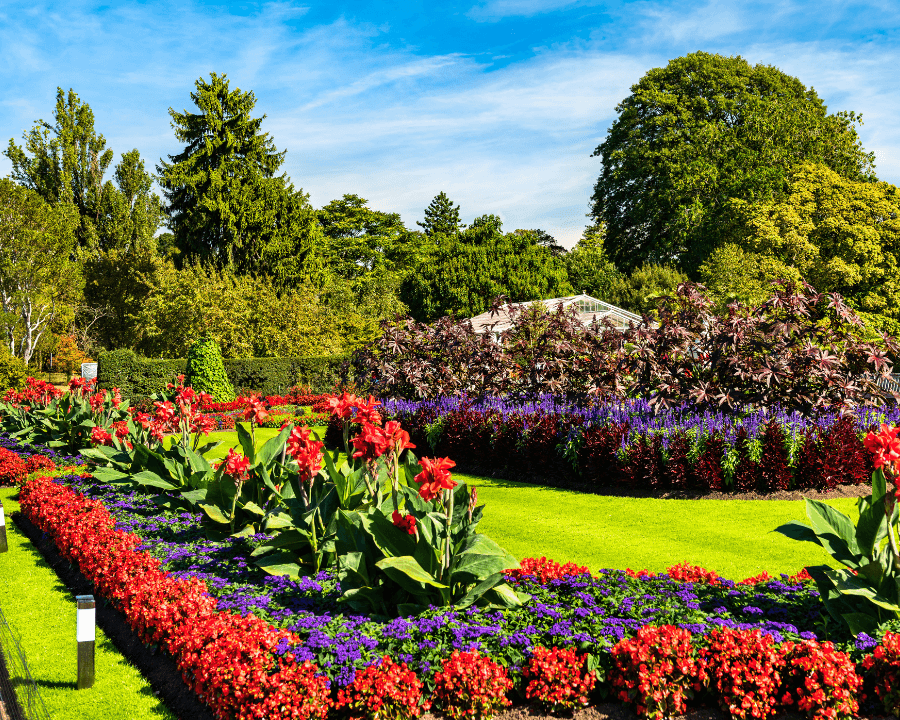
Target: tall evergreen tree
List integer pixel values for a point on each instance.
(441, 217)
(226, 205)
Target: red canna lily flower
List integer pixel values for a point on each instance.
(342, 405)
(435, 477)
(306, 451)
(407, 522)
(366, 413)
(255, 410)
(397, 436)
(99, 436)
(236, 465)
(885, 446)
(371, 443)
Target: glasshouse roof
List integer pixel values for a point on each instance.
(588, 308)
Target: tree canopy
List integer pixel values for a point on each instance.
(699, 132)
(838, 234)
(37, 275)
(441, 217)
(225, 203)
(461, 274)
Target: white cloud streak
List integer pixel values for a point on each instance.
(396, 124)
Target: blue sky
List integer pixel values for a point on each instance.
(499, 103)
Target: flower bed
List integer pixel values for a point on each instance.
(629, 445)
(277, 643)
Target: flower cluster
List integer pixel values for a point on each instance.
(39, 462)
(884, 667)
(885, 447)
(231, 662)
(306, 452)
(631, 444)
(818, 681)
(557, 679)
(387, 691)
(656, 671)
(470, 685)
(435, 477)
(545, 570)
(12, 468)
(744, 667)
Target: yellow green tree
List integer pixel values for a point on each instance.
(838, 234)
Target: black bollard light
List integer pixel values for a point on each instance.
(85, 632)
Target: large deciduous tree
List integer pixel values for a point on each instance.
(699, 132)
(840, 235)
(225, 203)
(66, 162)
(37, 276)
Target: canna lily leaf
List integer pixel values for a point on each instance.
(151, 479)
(215, 514)
(272, 449)
(408, 574)
(279, 563)
(835, 531)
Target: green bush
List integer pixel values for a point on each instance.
(13, 372)
(206, 370)
(275, 376)
(136, 377)
(139, 378)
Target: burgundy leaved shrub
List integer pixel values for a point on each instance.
(774, 474)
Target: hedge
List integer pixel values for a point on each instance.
(138, 377)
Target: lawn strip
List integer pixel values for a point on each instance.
(38, 601)
(735, 538)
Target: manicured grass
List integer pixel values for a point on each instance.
(733, 537)
(42, 612)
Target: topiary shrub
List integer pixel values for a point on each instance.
(206, 370)
(13, 372)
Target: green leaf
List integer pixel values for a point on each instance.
(848, 584)
(151, 479)
(408, 574)
(215, 514)
(390, 539)
(272, 448)
(279, 563)
(246, 442)
(860, 622)
(871, 528)
(252, 507)
(836, 532)
(109, 475)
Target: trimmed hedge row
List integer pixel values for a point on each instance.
(138, 377)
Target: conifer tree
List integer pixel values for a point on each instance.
(226, 205)
(441, 217)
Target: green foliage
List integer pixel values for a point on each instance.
(840, 235)
(206, 371)
(37, 275)
(13, 371)
(867, 592)
(136, 377)
(226, 205)
(462, 274)
(589, 268)
(733, 274)
(441, 217)
(66, 165)
(638, 292)
(699, 132)
(275, 376)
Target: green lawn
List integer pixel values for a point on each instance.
(733, 537)
(42, 612)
